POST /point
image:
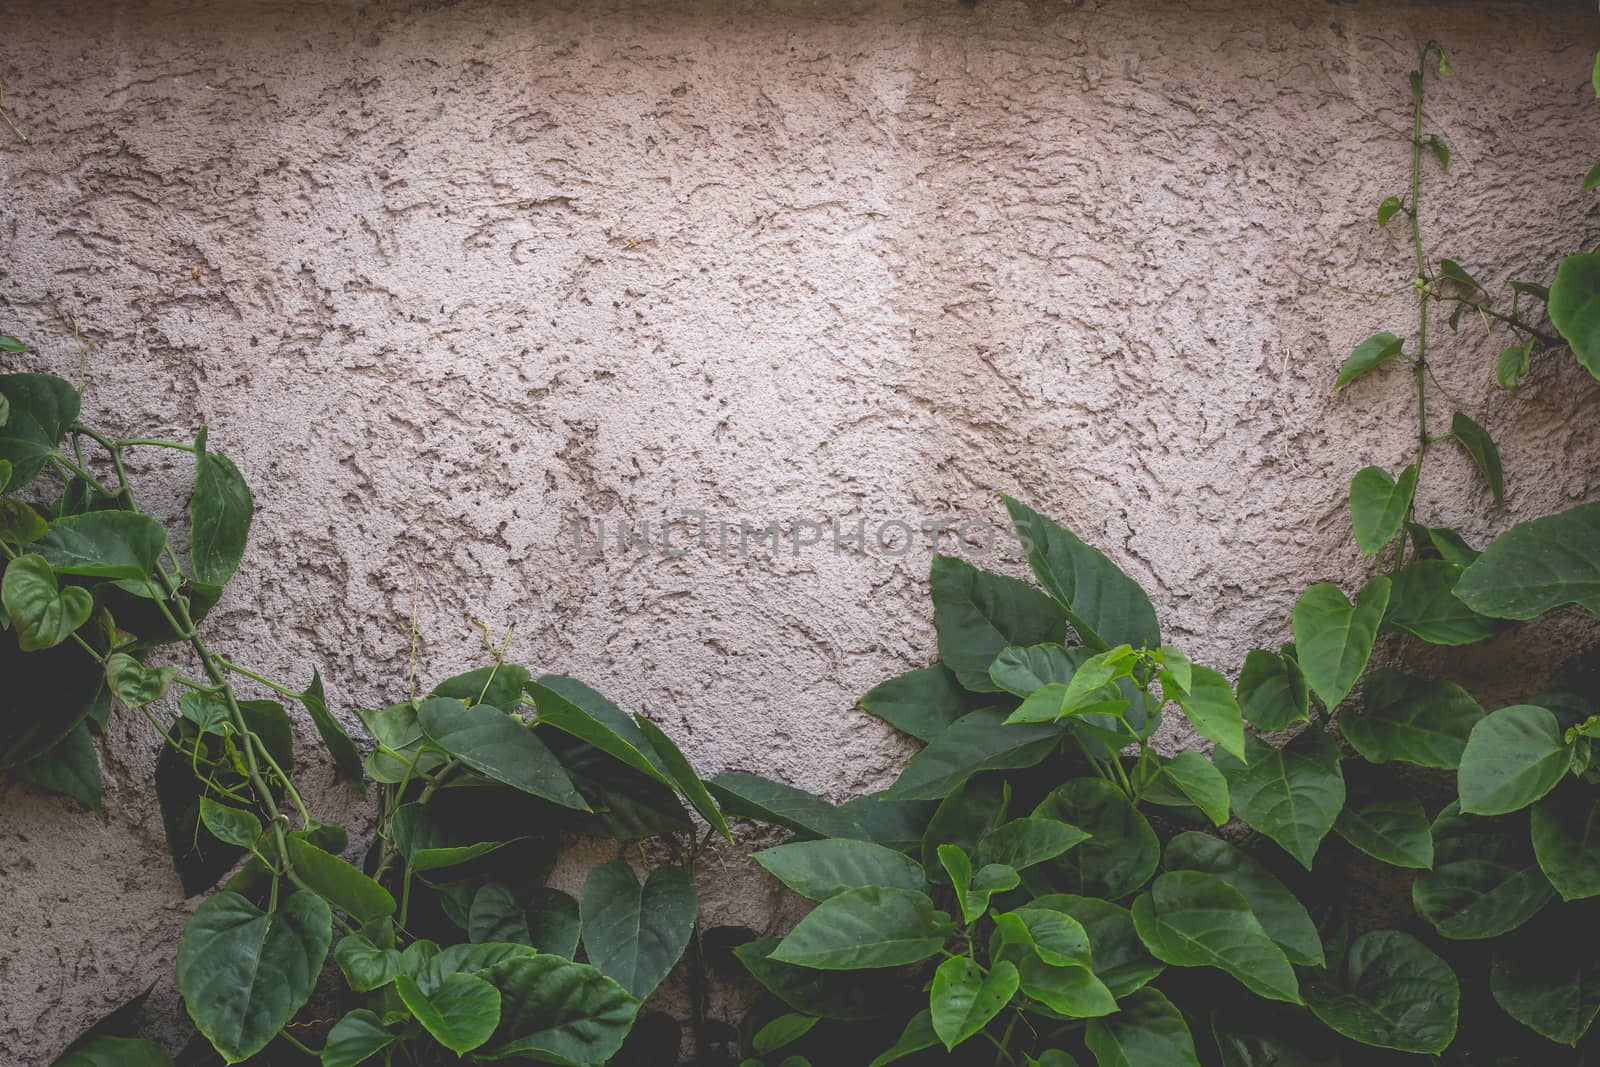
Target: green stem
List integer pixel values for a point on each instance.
(153, 442)
(244, 672)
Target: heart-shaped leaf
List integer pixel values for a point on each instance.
(43, 613)
(634, 933)
(1391, 992)
(1023, 843)
(244, 972)
(340, 884)
(1387, 824)
(1147, 1032)
(964, 998)
(220, 511)
(1198, 779)
(1423, 602)
(557, 1011)
(1333, 638)
(41, 407)
(1485, 881)
(355, 1039)
(1194, 919)
(1122, 851)
(1538, 565)
(364, 964)
(979, 614)
(1566, 839)
(1378, 505)
(1412, 720)
(1513, 757)
(1291, 794)
(1210, 707)
(1279, 911)
(1272, 691)
(867, 927)
(461, 1014)
(500, 747)
(1574, 307)
(135, 684)
(821, 869)
(1119, 958)
(104, 544)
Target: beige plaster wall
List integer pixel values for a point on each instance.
(443, 277)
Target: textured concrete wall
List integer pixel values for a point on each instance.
(443, 277)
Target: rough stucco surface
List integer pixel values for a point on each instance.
(443, 277)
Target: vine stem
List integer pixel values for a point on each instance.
(1414, 210)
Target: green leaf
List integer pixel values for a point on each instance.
(1209, 706)
(978, 741)
(1386, 210)
(978, 614)
(784, 1030)
(71, 768)
(426, 845)
(920, 702)
(1369, 355)
(1596, 77)
(501, 684)
(821, 869)
(1450, 270)
(364, 964)
(1387, 824)
(1378, 505)
(867, 927)
(1147, 1032)
(1194, 919)
(1104, 605)
(220, 511)
(244, 973)
(570, 706)
(1272, 691)
(1120, 959)
(553, 922)
(964, 818)
(751, 796)
(1548, 976)
(110, 1051)
(1485, 881)
(339, 883)
(557, 1011)
(1592, 179)
(41, 406)
(232, 825)
(1239, 1046)
(1566, 840)
(918, 1035)
(461, 1015)
(1278, 910)
(683, 776)
(1424, 603)
(104, 544)
(1480, 448)
(355, 1039)
(1512, 365)
(1024, 671)
(1333, 638)
(1122, 851)
(43, 613)
(1538, 565)
(845, 995)
(1023, 843)
(635, 934)
(1412, 720)
(1441, 151)
(896, 824)
(496, 915)
(964, 999)
(498, 746)
(1054, 936)
(135, 684)
(1513, 757)
(1291, 794)
(1391, 992)
(1574, 307)
(1198, 779)
(11, 344)
(346, 757)
(19, 524)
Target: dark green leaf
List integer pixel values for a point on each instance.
(234, 826)
(1386, 210)
(355, 1039)
(964, 998)
(1424, 603)
(1272, 691)
(364, 964)
(1379, 504)
(557, 1011)
(426, 845)
(346, 757)
(1441, 151)
(1024, 671)
(499, 684)
(784, 1030)
(1450, 270)
(920, 702)
(339, 883)
(1574, 307)
(1548, 976)
(1209, 706)
(978, 614)
(1485, 881)
(1280, 913)
(1369, 355)
(1592, 179)
(219, 515)
(1391, 992)
(1333, 638)
(682, 773)
(1387, 824)
(918, 1035)
(1147, 1032)
(104, 544)
(1411, 719)
(1122, 852)
(135, 684)
(498, 746)
(751, 796)
(963, 818)
(1512, 365)
(1198, 779)
(111, 1051)
(43, 613)
(1480, 447)
(1291, 794)
(42, 406)
(1120, 959)
(846, 995)
(1023, 843)
(244, 973)
(978, 741)
(1538, 565)
(461, 1014)
(20, 524)
(1194, 919)
(71, 768)
(868, 927)
(821, 869)
(634, 933)
(1104, 605)
(1513, 757)
(1566, 839)
(496, 915)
